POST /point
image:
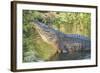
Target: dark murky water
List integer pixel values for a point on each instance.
(73, 56)
(60, 57)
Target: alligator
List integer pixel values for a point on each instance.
(65, 43)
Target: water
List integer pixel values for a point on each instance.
(72, 56)
(79, 55)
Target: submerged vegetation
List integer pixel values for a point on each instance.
(34, 48)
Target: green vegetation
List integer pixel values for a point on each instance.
(34, 48)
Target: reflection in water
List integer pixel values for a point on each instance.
(73, 56)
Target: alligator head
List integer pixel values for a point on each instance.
(47, 34)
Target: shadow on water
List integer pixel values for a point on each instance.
(72, 56)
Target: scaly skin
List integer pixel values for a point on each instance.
(66, 43)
